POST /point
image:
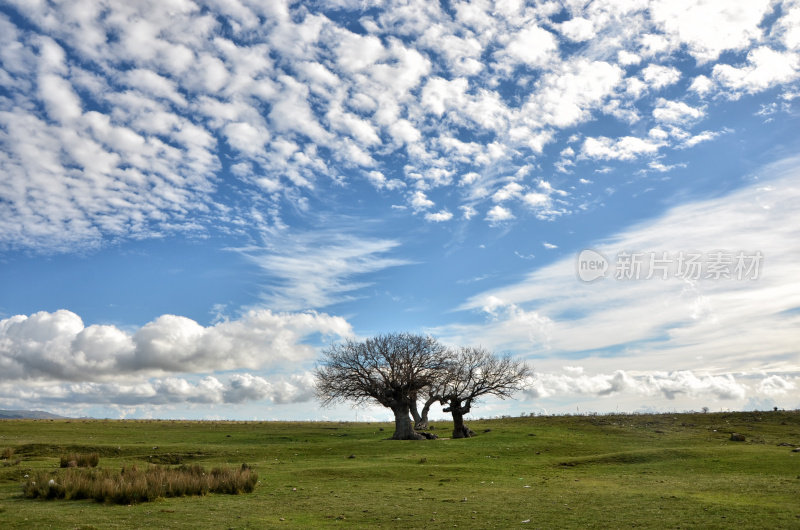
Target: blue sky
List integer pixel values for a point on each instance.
(195, 197)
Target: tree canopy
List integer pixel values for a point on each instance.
(388, 369)
(396, 369)
(473, 373)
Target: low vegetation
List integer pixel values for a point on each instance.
(80, 460)
(604, 471)
(133, 485)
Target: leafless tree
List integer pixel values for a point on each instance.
(475, 372)
(388, 369)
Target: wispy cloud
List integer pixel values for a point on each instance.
(318, 269)
(721, 326)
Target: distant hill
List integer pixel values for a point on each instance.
(28, 414)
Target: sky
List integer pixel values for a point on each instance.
(197, 197)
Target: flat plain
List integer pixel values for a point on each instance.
(601, 471)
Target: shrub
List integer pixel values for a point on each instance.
(80, 460)
(14, 462)
(233, 481)
(133, 485)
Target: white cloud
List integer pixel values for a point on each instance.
(704, 136)
(438, 217)
(462, 52)
(658, 76)
(208, 391)
(541, 202)
(509, 191)
(440, 95)
(788, 26)
(318, 269)
(638, 323)
(403, 131)
(577, 29)
(419, 201)
(735, 24)
(532, 46)
(247, 387)
(154, 84)
(566, 96)
(380, 181)
(702, 85)
(357, 52)
(61, 101)
(664, 384)
(58, 346)
(627, 58)
(468, 212)
(134, 112)
(246, 138)
(653, 44)
(626, 148)
(499, 214)
(675, 112)
(776, 385)
(765, 68)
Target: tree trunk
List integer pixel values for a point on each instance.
(459, 429)
(422, 423)
(403, 428)
(415, 413)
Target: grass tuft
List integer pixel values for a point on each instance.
(133, 485)
(7, 453)
(80, 460)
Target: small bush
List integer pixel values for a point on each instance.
(166, 458)
(133, 485)
(7, 453)
(80, 460)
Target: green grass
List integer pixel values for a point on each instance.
(651, 471)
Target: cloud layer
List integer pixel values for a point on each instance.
(173, 391)
(58, 347)
(126, 120)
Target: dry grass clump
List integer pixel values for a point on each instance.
(80, 460)
(133, 485)
(7, 453)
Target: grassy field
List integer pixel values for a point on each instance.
(615, 471)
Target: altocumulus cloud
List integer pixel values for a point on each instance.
(114, 114)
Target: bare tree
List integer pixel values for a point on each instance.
(475, 372)
(388, 369)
